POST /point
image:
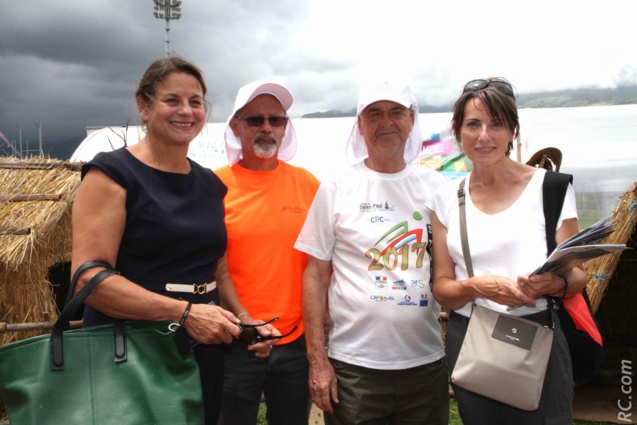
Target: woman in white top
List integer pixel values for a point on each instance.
(506, 233)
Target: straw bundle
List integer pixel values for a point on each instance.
(35, 234)
(600, 270)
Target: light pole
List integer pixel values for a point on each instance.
(19, 136)
(167, 10)
(38, 124)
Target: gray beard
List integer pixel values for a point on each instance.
(265, 150)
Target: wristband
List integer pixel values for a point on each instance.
(183, 317)
(241, 314)
(565, 286)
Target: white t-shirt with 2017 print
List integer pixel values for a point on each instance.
(376, 230)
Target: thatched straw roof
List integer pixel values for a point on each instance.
(612, 288)
(601, 269)
(35, 234)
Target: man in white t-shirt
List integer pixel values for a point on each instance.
(368, 238)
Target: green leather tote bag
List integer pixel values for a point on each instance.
(123, 373)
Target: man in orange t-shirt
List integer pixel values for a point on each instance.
(266, 206)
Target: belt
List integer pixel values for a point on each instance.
(191, 288)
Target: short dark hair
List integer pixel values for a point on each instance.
(159, 70)
(498, 104)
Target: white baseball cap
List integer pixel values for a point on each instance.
(245, 95)
(356, 150)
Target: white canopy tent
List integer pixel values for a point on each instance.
(321, 147)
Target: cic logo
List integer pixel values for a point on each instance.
(379, 219)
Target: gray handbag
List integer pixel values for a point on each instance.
(502, 357)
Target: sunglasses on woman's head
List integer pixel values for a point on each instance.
(257, 120)
(248, 333)
(501, 86)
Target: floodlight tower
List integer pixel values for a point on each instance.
(167, 10)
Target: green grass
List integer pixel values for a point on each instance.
(261, 417)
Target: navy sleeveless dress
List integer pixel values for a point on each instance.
(174, 233)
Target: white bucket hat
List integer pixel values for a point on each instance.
(246, 94)
(356, 150)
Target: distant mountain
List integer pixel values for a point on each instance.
(332, 113)
(622, 95)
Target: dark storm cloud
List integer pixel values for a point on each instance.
(72, 64)
(69, 67)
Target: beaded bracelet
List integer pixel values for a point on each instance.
(565, 286)
(186, 311)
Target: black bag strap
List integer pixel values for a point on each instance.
(554, 190)
(79, 271)
(62, 323)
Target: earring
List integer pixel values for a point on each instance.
(145, 127)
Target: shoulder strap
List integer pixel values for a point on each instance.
(553, 192)
(62, 323)
(81, 269)
(463, 229)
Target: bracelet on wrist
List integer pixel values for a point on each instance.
(185, 315)
(241, 314)
(565, 286)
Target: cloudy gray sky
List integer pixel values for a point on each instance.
(70, 64)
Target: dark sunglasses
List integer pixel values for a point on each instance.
(501, 86)
(250, 335)
(257, 121)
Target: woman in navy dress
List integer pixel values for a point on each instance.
(158, 218)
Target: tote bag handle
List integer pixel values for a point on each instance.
(72, 306)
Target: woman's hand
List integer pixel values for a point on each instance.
(541, 284)
(501, 290)
(211, 324)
